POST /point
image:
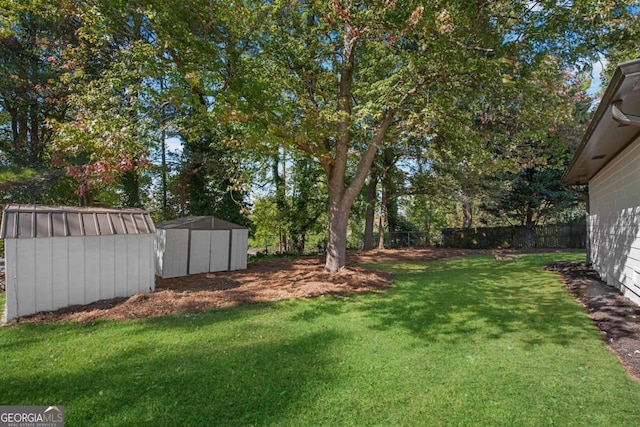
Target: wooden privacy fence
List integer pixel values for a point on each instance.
(573, 235)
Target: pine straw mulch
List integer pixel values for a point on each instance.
(262, 281)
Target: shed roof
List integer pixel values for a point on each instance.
(29, 221)
(199, 223)
(612, 127)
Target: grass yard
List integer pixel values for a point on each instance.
(470, 341)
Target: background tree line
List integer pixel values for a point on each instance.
(300, 118)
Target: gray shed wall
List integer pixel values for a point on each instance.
(183, 251)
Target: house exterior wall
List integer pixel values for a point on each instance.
(614, 222)
(45, 274)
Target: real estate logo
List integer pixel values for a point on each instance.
(31, 416)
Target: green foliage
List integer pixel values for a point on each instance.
(623, 41)
(472, 341)
(458, 90)
(534, 195)
(286, 220)
(430, 215)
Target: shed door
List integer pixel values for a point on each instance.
(199, 252)
(220, 250)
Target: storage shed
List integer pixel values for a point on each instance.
(62, 256)
(199, 244)
(608, 160)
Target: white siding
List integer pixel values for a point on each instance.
(614, 222)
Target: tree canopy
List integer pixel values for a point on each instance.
(444, 93)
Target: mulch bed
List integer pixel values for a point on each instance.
(274, 280)
(617, 318)
(262, 281)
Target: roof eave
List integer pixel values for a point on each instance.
(612, 95)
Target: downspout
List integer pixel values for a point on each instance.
(621, 117)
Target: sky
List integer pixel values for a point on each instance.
(596, 83)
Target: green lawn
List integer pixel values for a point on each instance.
(471, 341)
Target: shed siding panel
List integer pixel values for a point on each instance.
(107, 267)
(199, 251)
(614, 222)
(60, 271)
(44, 274)
(11, 281)
(219, 250)
(159, 249)
(121, 260)
(91, 269)
(146, 281)
(239, 246)
(75, 263)
(151, 259)
(193, 245)
(176, 252)
(133, 272)
(25, 270)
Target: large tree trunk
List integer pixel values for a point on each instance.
(427, 232)
(281, 203)
(131, 186)
(467, 213)
(341, 195)
(529, 229)
(338, 221)
(382, 220)
(370, 212)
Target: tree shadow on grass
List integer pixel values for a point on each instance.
(210, 382)
(474, 297)
(452, 300)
